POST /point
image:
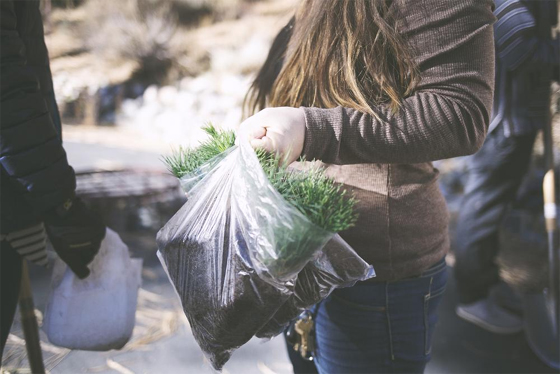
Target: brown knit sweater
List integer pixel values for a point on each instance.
(402, 229)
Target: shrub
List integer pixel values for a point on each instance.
(138, 30)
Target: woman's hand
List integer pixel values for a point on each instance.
(276, 130)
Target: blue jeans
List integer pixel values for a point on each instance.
(381, 327)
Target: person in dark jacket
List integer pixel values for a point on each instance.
(37, 186)
(527, 60)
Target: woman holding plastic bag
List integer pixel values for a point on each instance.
(254, 244)
(376, 90)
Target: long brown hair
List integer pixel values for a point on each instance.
(337, 52)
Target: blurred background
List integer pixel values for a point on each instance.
(135, 78)
(153, 71)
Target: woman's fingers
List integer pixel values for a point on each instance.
(263, 143)
(283, 134)
(257, 132)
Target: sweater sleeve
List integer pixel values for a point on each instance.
(517, 40)
(447, 116)
(31, 151)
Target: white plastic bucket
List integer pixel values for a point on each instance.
(97, 313)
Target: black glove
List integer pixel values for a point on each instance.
(76, 234)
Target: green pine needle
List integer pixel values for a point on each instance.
(184, 161)
(312, 193)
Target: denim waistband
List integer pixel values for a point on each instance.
(434, 269)
(431, 271)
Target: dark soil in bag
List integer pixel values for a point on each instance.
(224, 299)
(337, 266)
(238, 252)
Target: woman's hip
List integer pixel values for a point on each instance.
(380, 327)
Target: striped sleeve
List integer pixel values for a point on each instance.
(30, 243)
(516, 37)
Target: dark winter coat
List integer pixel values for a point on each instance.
(35, 175)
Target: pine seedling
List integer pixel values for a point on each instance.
(184, 161)
(312, 193)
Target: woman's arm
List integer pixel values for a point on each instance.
(449, 113)
(446, 117)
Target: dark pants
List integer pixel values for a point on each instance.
(10, 278)
(383, 327)
(495, 175)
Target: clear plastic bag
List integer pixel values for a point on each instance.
(335, 266)
(235, 250)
